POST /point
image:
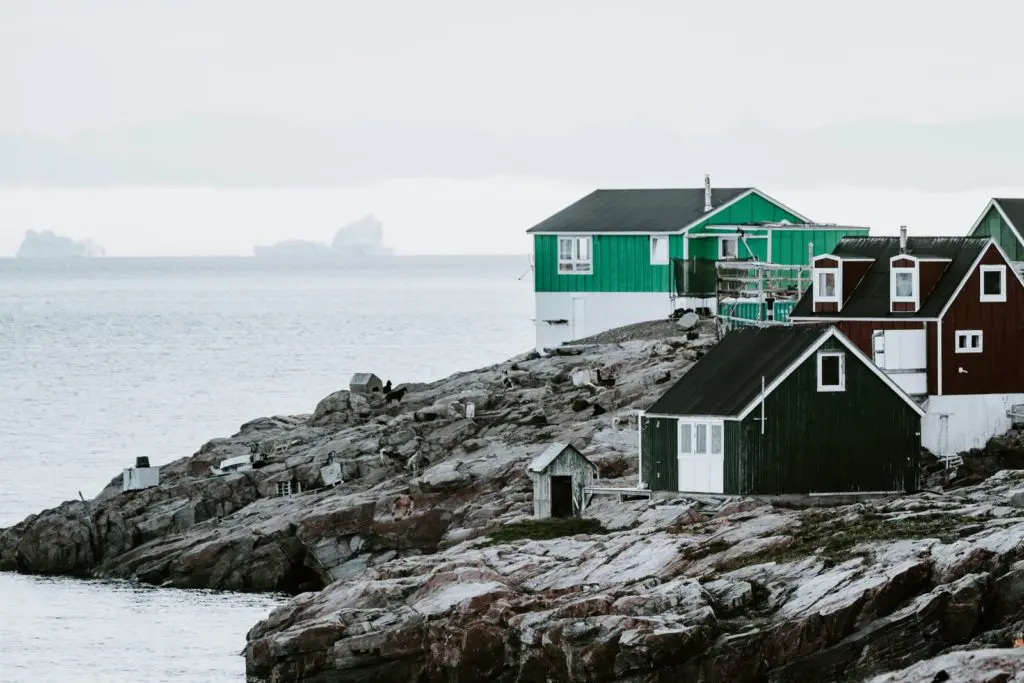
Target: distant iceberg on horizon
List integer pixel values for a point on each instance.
(360, 238)
(48, 244)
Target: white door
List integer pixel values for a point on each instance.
(579, 317)
(701, 457)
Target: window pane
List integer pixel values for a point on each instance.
(685, 438)
(992, 282)
(583, 248)
(700, 445)
(830, 371)
(961, 341)
(565, 250)
(904, 284)
(729, 248)
(827, 284)
(975, 341)
(716, 439)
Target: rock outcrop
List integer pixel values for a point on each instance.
(47, 244)
(424, 564)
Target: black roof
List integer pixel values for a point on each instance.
(870, 297)
(725, 381)
(1014, 210)
(640, 211)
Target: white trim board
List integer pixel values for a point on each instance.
(909, 318)
(830, 333)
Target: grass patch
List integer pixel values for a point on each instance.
(834, 540)
(545, 529)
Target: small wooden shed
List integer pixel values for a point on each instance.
(559, 475)
(365, 383)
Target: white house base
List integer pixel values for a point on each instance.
(954, 424)
(562, 317)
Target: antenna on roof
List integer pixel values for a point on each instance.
(903, 239)
(707, 192)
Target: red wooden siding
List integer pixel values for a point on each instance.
(825, 307)
(853, 273)
(827, 262)
(929, 274)
(903, 307)
(933, 357)
(903, 263)
(860, 331)
(997, 369)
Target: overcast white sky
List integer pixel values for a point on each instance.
(532, 65)
(529, 67)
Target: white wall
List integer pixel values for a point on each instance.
(972, 421)
(602, 311)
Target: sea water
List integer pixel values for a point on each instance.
(105, 360)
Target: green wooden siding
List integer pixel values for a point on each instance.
(659, 438)
(993, 225)
(622, 263)
(789, 247)
(751, 209)
(863, 439)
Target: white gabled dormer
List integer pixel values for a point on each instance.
(904, 279)
(827, 283)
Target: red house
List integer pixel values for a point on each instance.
(942, 316)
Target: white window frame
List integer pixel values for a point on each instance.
(721, 247)
(819, 297)
(688, 447)
(1001, 296)
(575, 264)
(841, 355)
(965, 337)
(915, 286)
(657, 260)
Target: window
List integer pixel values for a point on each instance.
(659, 250)
(831, 371)
(968, 341)
(826, 284)
(728, 248)
(574, 255)
(993, 283)
(700, 438)
(904, 284)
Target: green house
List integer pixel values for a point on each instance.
(782, 410)
(1003, 220)
(617, 257)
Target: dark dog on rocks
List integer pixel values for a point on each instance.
(396, 395)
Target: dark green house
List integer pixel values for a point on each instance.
(782, 410)
(1003, 220)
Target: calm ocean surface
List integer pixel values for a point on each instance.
(105, 360)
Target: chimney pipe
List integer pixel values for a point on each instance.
(903, 239)
(707, 193)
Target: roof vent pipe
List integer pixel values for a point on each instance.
(707, 193)
(903, 239)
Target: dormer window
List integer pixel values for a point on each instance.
(827, 281)
(827, 284)
(904, 284)
(993, 283)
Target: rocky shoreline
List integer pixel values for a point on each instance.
(411, 569)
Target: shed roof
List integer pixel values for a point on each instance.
(641, 211)
(551, 453)
(363, 378)
(729, 377)
(728, 380)
(870, 297)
